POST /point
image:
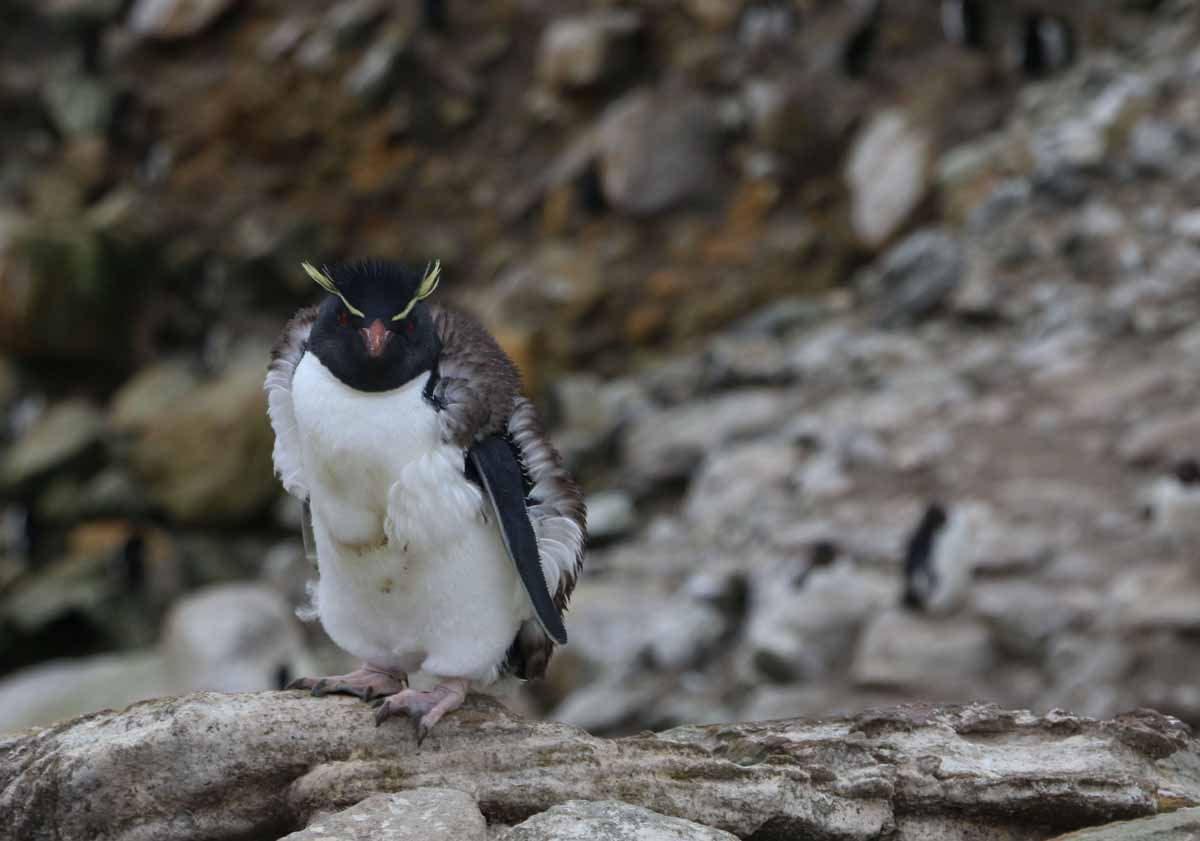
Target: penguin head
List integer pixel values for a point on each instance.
(374, 332)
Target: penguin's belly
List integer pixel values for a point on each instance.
(413, 570)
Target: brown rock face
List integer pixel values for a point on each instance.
(207, 458)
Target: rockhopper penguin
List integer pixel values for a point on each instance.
(940, 558)
(448, 534)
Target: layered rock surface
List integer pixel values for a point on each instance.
(233, 766)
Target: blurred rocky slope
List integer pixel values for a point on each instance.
(782, 274)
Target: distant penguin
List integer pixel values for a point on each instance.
(964, 22)
(1173, 504)
(939, 559)
(1047, 44)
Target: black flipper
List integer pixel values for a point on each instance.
(499, 472)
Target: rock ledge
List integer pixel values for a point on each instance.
(212, 766)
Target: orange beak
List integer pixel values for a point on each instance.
(376, 337)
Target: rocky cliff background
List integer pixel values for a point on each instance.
(783, 275)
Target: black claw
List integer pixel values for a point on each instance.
(378, 701)
(383, 714)
(320, 689)
(299, 683)
(422, 732)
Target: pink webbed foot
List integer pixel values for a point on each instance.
(425, 708)
(368, 683)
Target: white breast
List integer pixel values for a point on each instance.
(954, 557)
(355, 443)
(414, 573)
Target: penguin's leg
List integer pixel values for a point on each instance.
(426, 708)
(368, 683)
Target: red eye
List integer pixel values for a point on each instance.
(411, 328)
(344, 318)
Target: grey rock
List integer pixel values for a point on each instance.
(766, 27)
(148, 393)
(817, 700)
(911, 395)
(668, 444)
(76, 584)
(832, 353)
(352, 20)
(733, 479)
(1002, 202)
(1181, 825)
(281, 40)
(593, 413)
(917, 275)
(783, 316)
(1170, 437)
(610, 820)
(1154, 681)
(652, 149)
(1069, 145)
(1163, 597)
(902, 649)
(657, 150)
(318, 52)
(613, 622)
(610, 514)
(1025, 616)
(70, 432)
(62, 689)
(743, 361)
(233, 638)
(1119, 391)
(372, 76)
(686, 634)
(1077, 130)
(173, 19)
(228, 638)
(887, 172)
(419, 814)
(809, 633)
(581, 51)
(1156, 145)
(1187, 225)
(249, 763)
(287, 569)
(612, 704)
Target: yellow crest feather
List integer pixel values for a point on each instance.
(326, 282)
(433, 275)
